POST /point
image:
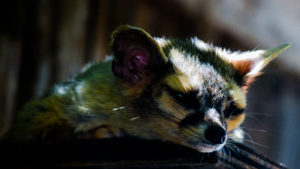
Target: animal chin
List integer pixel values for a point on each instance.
(207, 148)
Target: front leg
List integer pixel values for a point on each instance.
(106, 132)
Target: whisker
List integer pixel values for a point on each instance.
(258, 144)
(251, 129)
(260, 114)
(228, 150)
(252, 117)
(247, 157)
(250, 138)
(233, 147)
(261, 160)
(223, 153)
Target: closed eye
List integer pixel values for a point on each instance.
(232, 110)
(188, 100)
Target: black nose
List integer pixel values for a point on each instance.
(215, 134)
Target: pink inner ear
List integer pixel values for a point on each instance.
(139, 59)
(134, 62)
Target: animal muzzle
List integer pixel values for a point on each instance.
(215, 134)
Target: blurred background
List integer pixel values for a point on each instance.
(43, 42)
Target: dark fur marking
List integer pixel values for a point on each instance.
(192, 119)
(226, 70)
(189, 100)
(232, 110)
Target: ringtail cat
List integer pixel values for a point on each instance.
(183, 91)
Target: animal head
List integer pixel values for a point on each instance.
(185, 90)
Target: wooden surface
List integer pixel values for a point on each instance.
(107, 153)
(126, 152)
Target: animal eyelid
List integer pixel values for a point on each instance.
(188, 100)
(232, 110)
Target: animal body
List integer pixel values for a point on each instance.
(183, 91)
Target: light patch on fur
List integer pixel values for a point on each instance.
(79, 88)
(61, 89)
(255, 57)
(161, 41)
(192, 74)
(135, 118)
(235, 122)
(237, 135)
(207, 148)
(255, 69)
(108, 58)
(83, 109)
(179, 82)
(201, 45)
(118, 108)
(238, 96)
(228, 55)
(86, 67)
(212, 115)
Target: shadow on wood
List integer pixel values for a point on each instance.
(104, 153)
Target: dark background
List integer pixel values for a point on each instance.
(43, 42)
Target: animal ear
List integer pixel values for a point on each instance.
(250, 64)
(138, 57)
